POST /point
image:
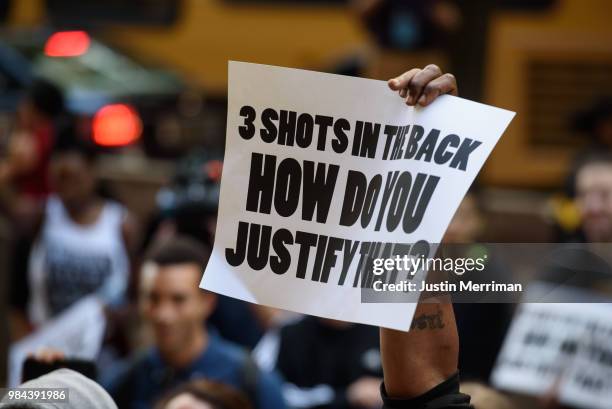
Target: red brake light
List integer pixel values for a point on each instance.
(67, 44)
(116, 125)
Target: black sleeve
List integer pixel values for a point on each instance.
(444, 396)
(122, 393)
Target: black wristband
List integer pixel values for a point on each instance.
(443, 396)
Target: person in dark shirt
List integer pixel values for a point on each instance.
(420, 365)
(184, 349)
(581, 271)
(482, 327)
(325, 363)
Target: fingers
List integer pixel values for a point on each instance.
(445, 84)
(423, 86)
(419, 81)
(48, 355)
(403, 80)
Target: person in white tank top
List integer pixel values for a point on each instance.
(82, 245)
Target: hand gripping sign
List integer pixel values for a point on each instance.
(324, 172)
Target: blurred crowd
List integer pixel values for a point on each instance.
(168, 344)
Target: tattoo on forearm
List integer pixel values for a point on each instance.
(428, 321)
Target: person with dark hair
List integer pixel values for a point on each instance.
(585, 261)
(581, 219)
(593, 124)
(202, 394)
(189, 207)
(593, 188)
(184, 348)
(83, 242)
(29, 148)
(24, 180)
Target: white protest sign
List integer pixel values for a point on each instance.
(322, 172)
(561, 347)
(78, 332)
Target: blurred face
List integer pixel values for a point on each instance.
(174, 305)
(187, 401)
(72, 178)
(594, 200)
(466, 224)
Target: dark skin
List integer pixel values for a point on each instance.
(434, 332)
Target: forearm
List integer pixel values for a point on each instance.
(416, 361)
(419, 365)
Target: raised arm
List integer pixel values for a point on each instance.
(417, 360)
(420, 365)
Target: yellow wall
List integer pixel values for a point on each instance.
(26, 13)
(577, 29)
(211, 32)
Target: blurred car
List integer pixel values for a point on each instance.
(112, 98)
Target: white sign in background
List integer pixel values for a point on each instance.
(559, 347)
(357, 101)
(78, 332)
